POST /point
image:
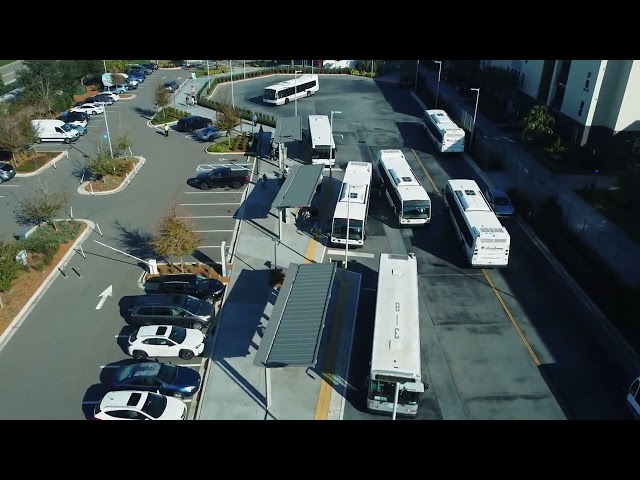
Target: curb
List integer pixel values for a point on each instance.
(169, 68)
(123, 185)
(160, 125)
(50, 163)
(35, 298)
(128, 98)
(246, 154)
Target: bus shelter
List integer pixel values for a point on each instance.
(288, 129)
(297, 191)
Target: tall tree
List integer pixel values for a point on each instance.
(176, 236)
(14, 132)
(496, 82)
(163, 97)
(42, 206)
(228, 118)
(538, 122)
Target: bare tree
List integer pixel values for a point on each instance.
(118, 78)
(44, 95)
(176, 235)
(163, 97)
(123, 143)
(101, 163)
(228, 118)
(12, 138)
(42, 206)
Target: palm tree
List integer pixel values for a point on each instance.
(538, 122)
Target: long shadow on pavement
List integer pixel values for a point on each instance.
(135, 242)
(91, 398)
(242, 314)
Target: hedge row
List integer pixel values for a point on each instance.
(268, 120)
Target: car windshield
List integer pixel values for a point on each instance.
(168, 373)
(178, 334)
(67, 128)
(193, 304)
(202, 283)
(155, 405)
(501, 200)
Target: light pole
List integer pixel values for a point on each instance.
(104, 62)
(330, 147)
(346, 247)
(295, 86)
(208, 69)
(439, 62)
(105, 116)
(475, 112)
(233, 103)
(415, 86)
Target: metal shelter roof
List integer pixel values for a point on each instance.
(288, 129)
(299, 187)
(293, 333)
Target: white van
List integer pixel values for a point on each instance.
(54, 131)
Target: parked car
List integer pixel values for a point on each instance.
(208, 134)
(102, 100)
(171, 85)
(165, 341)
(141, 69)
(170, 380)
(208, 289)
(77, 118)
(192, 123)
(120, 88)
(222, 177)
(500, 202)
(82, 130)
(171, 309)
(137, 76)
(89, 108)
(139, 405)
(6, 172)
(108, 93)
(151, 65)
(132, 83)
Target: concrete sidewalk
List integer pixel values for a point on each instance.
(525, 173)
(233, 387)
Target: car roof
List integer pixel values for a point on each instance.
(123, 399)
(174, 299)
(154, 331)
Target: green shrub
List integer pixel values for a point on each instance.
(221, 147)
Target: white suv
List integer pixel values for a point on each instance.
(165, 341)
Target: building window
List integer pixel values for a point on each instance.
(587, 82)
(574, 135)
(580, 109)
(522, 81)
(636, 147)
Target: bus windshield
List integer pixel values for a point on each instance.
(416, 209)
(386, 391)
(322, 152)
(340, 228)
(269, 94)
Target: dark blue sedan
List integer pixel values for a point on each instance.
(172, 380)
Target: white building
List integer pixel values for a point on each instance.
(597, 101)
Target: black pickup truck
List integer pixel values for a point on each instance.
(222, 177)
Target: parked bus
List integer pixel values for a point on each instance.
(406, 195)
(323, 145)
(396, 378)
(289, 90)
(353, 205)
(484, 240)
(443, 132)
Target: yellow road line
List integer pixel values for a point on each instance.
(435, 188)
(513, 320)
(311, 251)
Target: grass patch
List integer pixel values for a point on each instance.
(114, 180)
(6, 62)
(221, 147)
(610, 204)
(30, 162)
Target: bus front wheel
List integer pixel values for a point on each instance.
(286, 100)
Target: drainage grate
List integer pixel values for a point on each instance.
(362, 141)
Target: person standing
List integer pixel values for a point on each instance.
(166, 129)
(193, 91)
(264, 181)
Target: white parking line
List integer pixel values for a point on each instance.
(6, 186)
(187, 400)
(122, 336)
(211, 231)
(109, 366)
(205, 204)
(209, 246)
(163, 77)
(211, 216)
(1, 196)
(351, 254)
(194, 365)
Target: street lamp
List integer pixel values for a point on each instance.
(475, 112)
(295, 86)
(104, 62)
(105, 116)
(330, 146)
(439, 62)
(233, 103)
(415, 86)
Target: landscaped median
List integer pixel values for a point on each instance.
(239, 144)
(168, 115)
(109, 180)
(28, 266)
(28, 164)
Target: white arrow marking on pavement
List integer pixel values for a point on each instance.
(103, 296)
